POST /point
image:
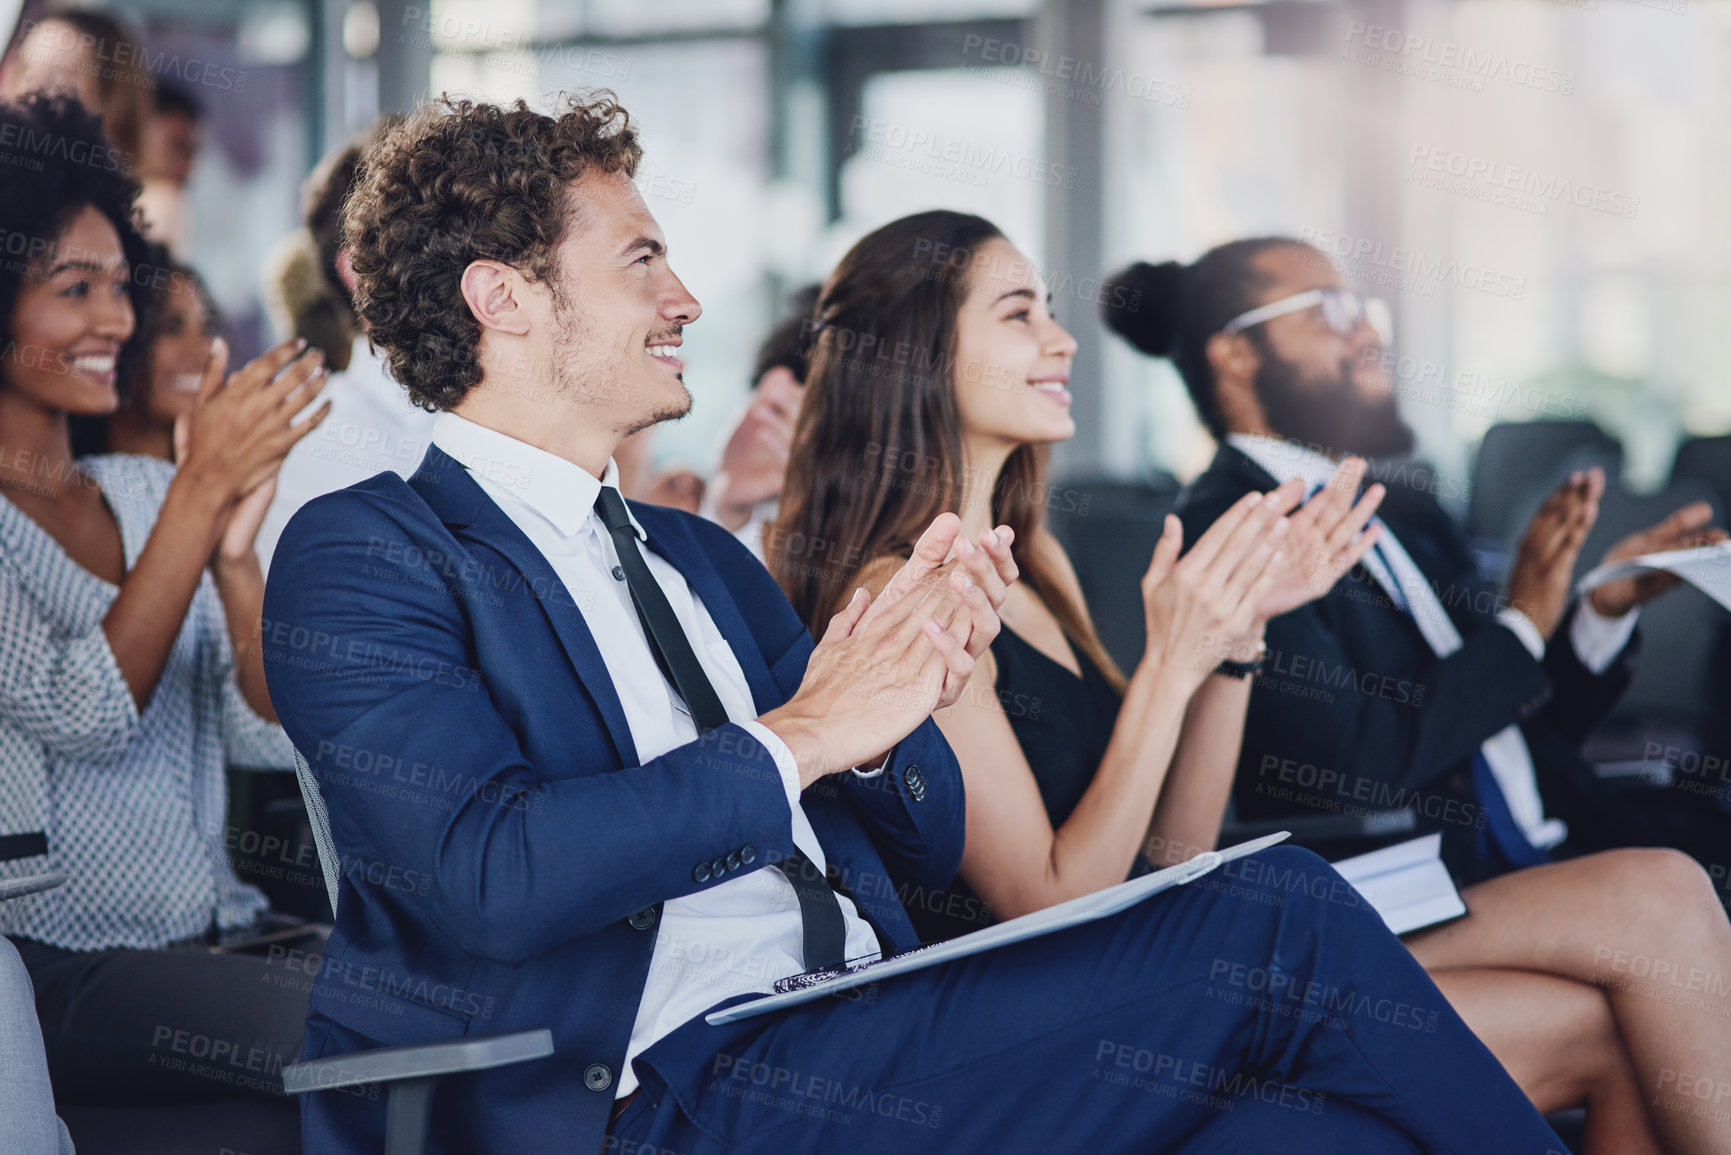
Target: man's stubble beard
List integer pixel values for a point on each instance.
(669, 413)
(579, 375)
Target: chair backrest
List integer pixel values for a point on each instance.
(1705, 459)
(1679, 630)
(1520, 462)
(320, 820)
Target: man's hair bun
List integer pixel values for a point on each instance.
(1144, 304)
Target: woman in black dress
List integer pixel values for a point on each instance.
(937, 381)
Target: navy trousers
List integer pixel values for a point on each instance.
(1263, 1007)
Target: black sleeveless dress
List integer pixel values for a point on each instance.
(1063, 724)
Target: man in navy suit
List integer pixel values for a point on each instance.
(581, 784)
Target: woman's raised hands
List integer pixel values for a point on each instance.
(1198, 606)
(242, 425)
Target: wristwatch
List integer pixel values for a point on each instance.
(1247, 669)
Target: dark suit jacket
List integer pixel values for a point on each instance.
(503, 851)
(1355, 712)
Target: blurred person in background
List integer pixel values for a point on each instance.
(373, 425)
(638, 479)
(173, 132)
(177, 346)
(1478, 703)
(308, 288)
(743, 495)
(302, 303)
(93, 58)
(130, 652)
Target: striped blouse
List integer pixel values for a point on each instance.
(134, 806)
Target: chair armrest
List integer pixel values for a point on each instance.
(30, 884)
(30, 844)
(430, 1060)
(1642, 774)
(1325, 827)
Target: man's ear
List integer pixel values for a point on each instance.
(494, 292)
(1233, 363)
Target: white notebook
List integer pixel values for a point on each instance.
(1407, 883)
(1087, 908)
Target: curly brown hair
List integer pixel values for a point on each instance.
(459, 181)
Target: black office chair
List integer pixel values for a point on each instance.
(1517, 465)
(1670, 699)
(1333, 836)
(265, 808)
(1708, 460)
(1109, 527)
(411, 1073)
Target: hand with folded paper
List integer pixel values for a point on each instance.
(1707, 568)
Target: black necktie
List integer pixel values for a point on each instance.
(820, 913)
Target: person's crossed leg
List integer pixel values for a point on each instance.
(1264, 999)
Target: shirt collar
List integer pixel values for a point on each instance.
(1285, 460)
(561, 492)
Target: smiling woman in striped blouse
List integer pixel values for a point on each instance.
(129, 659)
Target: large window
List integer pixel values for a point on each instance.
(951, 140)
(1487, 165)
(1235, 143)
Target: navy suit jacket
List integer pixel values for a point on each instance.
(1355, 710)
(503, 852)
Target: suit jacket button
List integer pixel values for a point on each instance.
(916, 783)
(700, 873)
(597, 1076)
(748, 854)
(643, 919)
(733, 860)
(718, 867)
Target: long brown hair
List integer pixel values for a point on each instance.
(877, 451)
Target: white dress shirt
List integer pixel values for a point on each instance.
(746, 933)
(372, 427)
(1596, 639)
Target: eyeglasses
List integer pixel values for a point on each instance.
(1342, 310)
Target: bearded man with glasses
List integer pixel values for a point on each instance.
(1414, 684)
